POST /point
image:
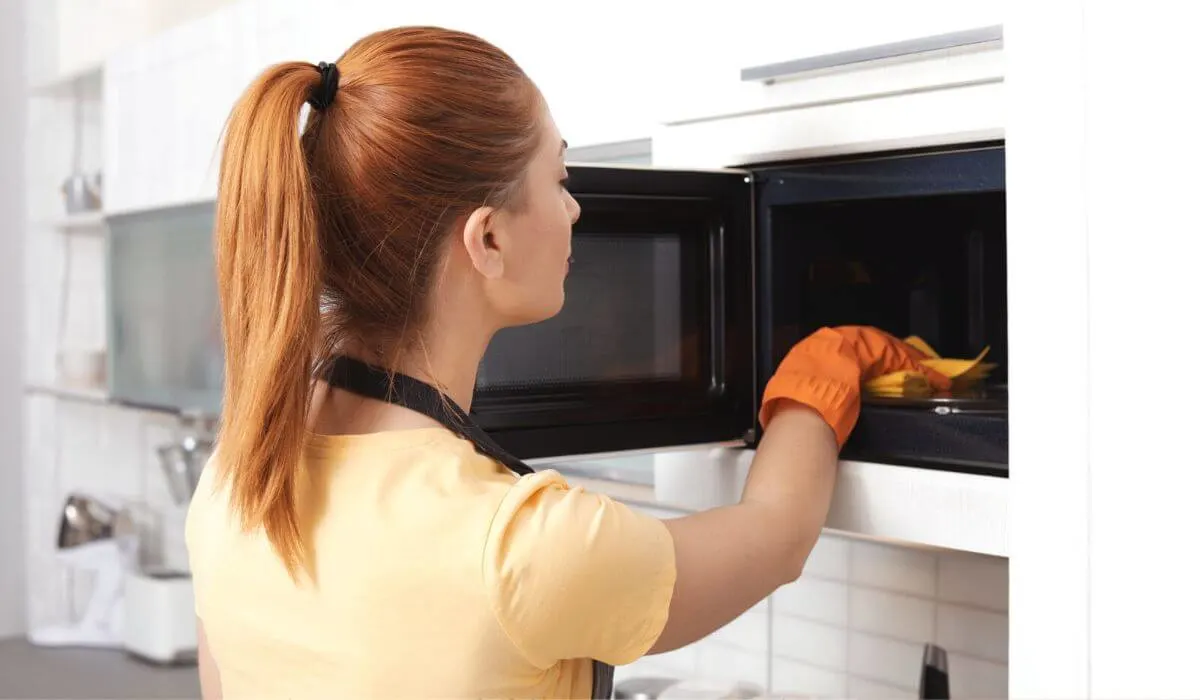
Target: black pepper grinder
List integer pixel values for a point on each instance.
(935, 674)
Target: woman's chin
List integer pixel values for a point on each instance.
(544, 311)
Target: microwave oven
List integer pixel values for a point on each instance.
(685, 291)
(688, 287)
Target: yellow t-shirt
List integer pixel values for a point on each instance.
(438, 573)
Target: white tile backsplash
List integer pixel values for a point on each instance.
(815, 599)
(975, 679)
(830, 559)
(972, 631)
(889, 660)
(811, 642)
(866, 689)
(793, 677)
(748, 632)
(974, 580)
(682, 662)
(722, 662)
(855, 625)
(891, 614)
(896, 568)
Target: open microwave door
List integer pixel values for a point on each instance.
(653, 347)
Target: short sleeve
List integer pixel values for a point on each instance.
(574, 574)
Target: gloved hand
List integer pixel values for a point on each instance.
(825, 372)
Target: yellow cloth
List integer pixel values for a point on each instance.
(438, 574)
(963, 374)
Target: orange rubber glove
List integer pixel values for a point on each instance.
(825, 372)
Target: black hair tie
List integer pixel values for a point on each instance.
(322, 95)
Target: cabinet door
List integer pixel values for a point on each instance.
(163, 316)
(727, 39)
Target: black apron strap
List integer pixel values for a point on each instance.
(357, 377)
(360, 378)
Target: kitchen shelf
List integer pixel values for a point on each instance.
(89, 222)
(92, 395)
(925, 507)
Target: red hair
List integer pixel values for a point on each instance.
(331, 234)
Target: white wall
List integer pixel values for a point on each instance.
(1103, 229)
(12, 219)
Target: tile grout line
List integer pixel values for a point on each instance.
(846, 669)
(903, 594)
(880, 681)
(850, 629)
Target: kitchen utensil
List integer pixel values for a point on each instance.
(176, 468)
(92, 537)
(197, 441)
(183, 460)
(80, 193)
(935, 674)
(85, 520)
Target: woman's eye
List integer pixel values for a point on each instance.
(565, 182)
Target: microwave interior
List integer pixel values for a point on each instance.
(914, 245)
(932, 267)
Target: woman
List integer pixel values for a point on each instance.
(348, 540)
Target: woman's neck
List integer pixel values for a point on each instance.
(449, 361)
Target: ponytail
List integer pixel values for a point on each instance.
(268, 271)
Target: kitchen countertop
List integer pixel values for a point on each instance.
(27, 671)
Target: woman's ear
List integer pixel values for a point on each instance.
(482, 244)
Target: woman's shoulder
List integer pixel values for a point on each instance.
(435, 452)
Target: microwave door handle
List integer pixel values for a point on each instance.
(716, 247)
(772, 72)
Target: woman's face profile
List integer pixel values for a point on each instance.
(537, 234)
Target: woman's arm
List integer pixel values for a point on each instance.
(728, 559)
(210, 677)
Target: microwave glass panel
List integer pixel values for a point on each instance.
(625, 319)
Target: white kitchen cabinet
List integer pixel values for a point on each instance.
(725, 40)
(923, 91)
(636, 65)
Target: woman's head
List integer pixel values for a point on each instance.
(432, 178)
